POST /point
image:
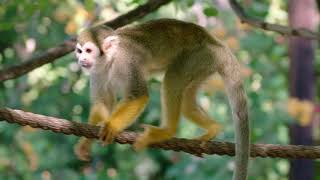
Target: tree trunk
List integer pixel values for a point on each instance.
(302, 14)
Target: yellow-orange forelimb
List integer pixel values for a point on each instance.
(122, 117)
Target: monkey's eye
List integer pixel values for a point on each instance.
(88, 50)
(79, 50)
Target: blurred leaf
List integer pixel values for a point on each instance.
(210, 11)
(89, 4)
(190, 3)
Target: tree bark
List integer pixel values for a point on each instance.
(302, 82)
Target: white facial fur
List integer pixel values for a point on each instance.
(87, 54)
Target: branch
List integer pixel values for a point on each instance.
(302, 32)
(195, 147)
(67, 46)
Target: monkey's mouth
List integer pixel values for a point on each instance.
(85, 65)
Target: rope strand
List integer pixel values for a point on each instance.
(194, 147)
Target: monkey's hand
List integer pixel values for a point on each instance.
(107, 134)
(82, 149)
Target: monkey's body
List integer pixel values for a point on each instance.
(187, 55)
(180, 39)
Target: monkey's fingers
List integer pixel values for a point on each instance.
(108, 138)
(107, 134)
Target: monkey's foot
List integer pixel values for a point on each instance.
(151, 135)
(107, 134)
(82, 149)
(211, 133)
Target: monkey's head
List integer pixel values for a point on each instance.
(89, 47)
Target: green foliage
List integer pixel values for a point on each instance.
(259, 9)
(210, 11)
(60, 89)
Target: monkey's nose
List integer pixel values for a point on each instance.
(83, 60)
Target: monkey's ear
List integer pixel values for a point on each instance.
(105, 46)
(109, 42)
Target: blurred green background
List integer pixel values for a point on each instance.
(60, 89)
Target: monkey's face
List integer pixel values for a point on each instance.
(87, 54)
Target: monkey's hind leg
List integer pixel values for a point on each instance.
(196, 114)
(98, 114)
(171, 96)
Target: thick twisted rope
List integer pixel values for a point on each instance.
(195, 147)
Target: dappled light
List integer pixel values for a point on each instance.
(43, 86)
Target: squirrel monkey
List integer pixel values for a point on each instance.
(119, 62)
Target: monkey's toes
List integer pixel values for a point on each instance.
(82, 151)
(140, 144)
(83, 155)
(147, 128)
(211, 133)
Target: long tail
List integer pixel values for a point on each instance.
(229, 69)
(237, 99)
